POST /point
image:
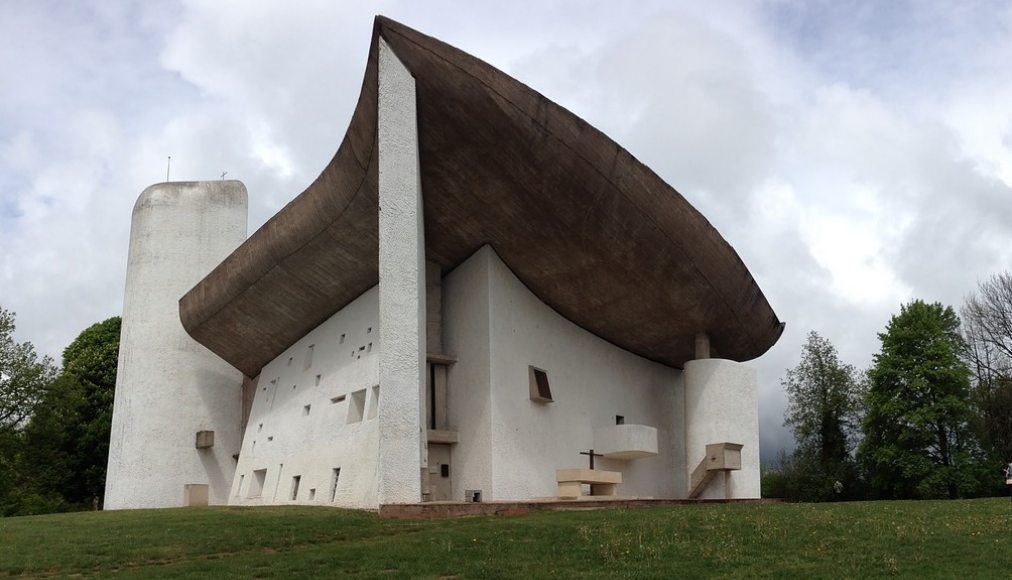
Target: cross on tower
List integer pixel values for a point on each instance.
(591, 455)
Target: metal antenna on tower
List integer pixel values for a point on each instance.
(168, 166)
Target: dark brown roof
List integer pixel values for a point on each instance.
(590, 230)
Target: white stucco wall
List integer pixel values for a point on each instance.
(287, 441)
(721, 406)
(469, 396)
(591, 382)
(168, 386)
(402, 301)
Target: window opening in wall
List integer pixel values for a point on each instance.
(238, 490)
(432, 396)
(540, 391)
(335, 474)
(368, 330)
(295, 487)
(341, 341)
(312, 494)
(277, 481)
(306, 409)
(444, 470)
(309, 357)
(374, 409)
(357, 407)
(619, 420)
(256, 484)
(260, 427)
(290, 360)
(294, 386)
(318, 380)
(368, 347)
(352, 354)
(270, 438)
(337, 399)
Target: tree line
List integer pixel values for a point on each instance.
(55, 422)
(931, 417)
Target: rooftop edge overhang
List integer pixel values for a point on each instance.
(589, 229)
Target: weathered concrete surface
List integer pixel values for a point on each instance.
(169, 387)
(590, 230)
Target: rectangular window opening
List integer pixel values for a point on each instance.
(540, 391)
(318, 377)
(309, 357)
(312, 494)
(619, 420)
(374, 408)
(242, 479)
(306, 409)
(357, 407)
(256, 484)
(295, 487)
(341, 341)
(337, 399)
(335, 474)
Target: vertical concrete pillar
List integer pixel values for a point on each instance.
(401, 287)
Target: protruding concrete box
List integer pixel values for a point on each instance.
(626, 442)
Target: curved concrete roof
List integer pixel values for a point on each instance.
(590, 230)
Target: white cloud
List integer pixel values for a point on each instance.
(857, 154)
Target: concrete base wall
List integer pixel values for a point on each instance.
(332, 370)
(721, 406)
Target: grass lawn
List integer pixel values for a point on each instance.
(933, 539)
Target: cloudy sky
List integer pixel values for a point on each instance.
(858, 155)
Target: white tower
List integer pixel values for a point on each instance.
(168, 387)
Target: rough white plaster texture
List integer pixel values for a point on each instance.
(511, 446)
(401, 286)
(168, 386)
(315, 411)
(721, 406)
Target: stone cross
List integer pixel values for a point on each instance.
(591, 455)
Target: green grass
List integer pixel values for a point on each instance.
(933, 539)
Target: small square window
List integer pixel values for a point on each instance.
(619, 419)
(540, 391)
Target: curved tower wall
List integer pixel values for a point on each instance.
(168, 386)
(721, 407)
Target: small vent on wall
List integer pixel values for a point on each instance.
(540, 390)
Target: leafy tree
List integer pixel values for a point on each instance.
(918, 440)
(23, 376)
(823, 402)
(69, 434)
(987, 330)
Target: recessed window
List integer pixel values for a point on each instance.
(374, 409)
(335, 475)
(260, 427)
(540, 390)
(368, 330)
(290, 360)
(357, 407)
(337, 399)
(309, 357)
(295, 487)
(341, 341)
(238, 490)
(619, 420)
(312, 494)
(256, 484)
(318, 377)
(307, 409)
(368, 347)
(270, 438)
